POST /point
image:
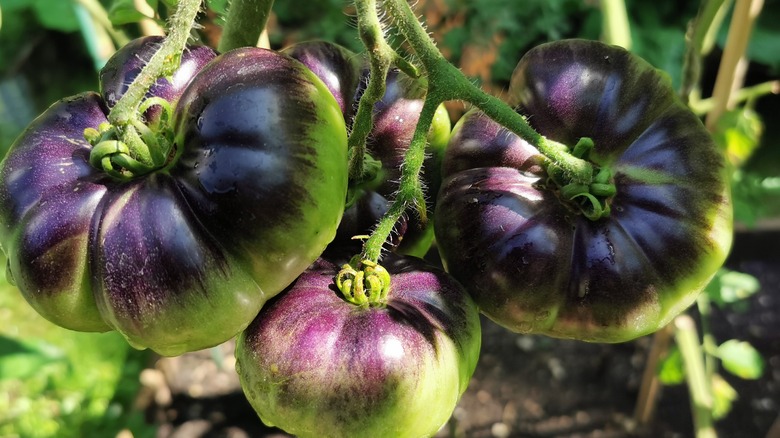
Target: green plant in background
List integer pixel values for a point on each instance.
(737, 129)
(55, 382)
(59, 383)
(729, 289)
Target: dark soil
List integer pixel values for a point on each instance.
(524, 386)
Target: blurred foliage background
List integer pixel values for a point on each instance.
(54, 382)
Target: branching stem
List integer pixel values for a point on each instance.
(445, 82)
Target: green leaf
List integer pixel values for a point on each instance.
(218, 6)
(738, 133)
(723, 396)
(12, 5)
(741, 359)
(21, 359)
(729, 287)
(57, 15)
(671, 370)
(16, 111)
(124, 12)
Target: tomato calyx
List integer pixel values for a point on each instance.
(363, 282)
(590, 198)
(135, 149)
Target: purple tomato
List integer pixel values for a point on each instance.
(316, 365)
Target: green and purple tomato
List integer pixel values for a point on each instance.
(183, 257)
(531, 259)
(316, 365)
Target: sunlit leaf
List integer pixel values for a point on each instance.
(124, 12)
(723, 396)
(218, 6)
(20, 359)
(56, 14)
(738, 133)
(11, 5)
(741, 359)
(728, 287)
(671, 370)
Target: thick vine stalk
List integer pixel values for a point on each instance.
(246, 20)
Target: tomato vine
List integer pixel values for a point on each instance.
(445, 82)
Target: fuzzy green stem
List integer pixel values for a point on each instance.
(163, 63)
(445, 82)
(410, 191)
(245, 21)
(380, 58)
(615, 27)
(454, 85)
(700, 388)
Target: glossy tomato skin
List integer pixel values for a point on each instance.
(316, 365)
(125, 65)
(48, 196)
(266, 144)
(182, 258)
(395, 119)
(336, 66)
(532, 263)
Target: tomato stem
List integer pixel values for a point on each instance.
(127, 147)
(445, 82)
(246, 20)
(454, 85)
(410, 192)
(163, 63)
(381, 57)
